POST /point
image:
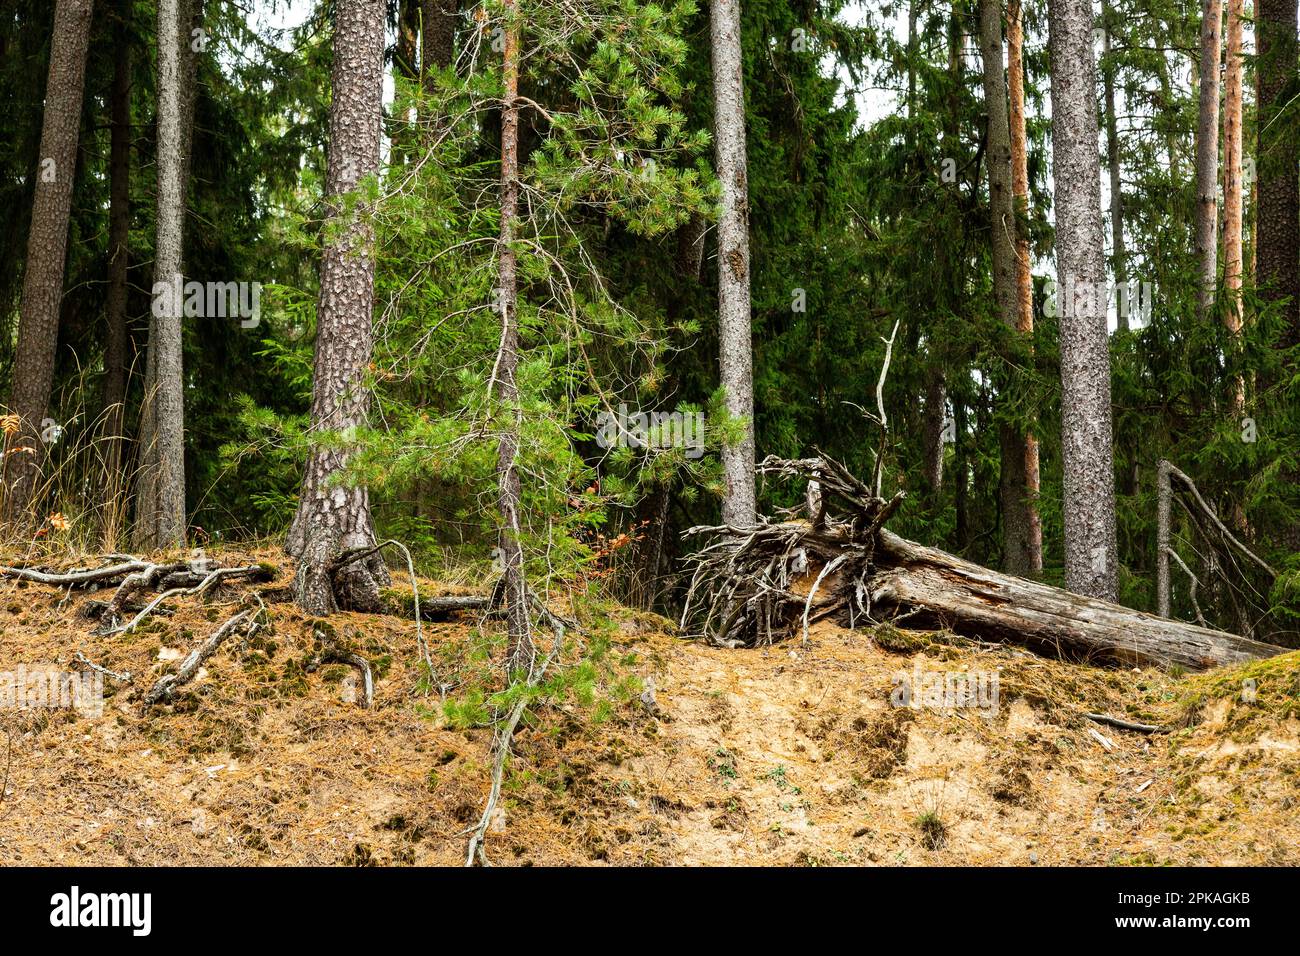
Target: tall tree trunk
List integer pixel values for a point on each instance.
(1277, 197)
(1087, 455)
(47, 246)
(119, 229)
(1119, 253)
(734, 324)
(1207, 155)
(1018, 518)
(167, 527)
(1024, 278)
(438, 33)
(1278, 208)
(934, 420)
(332, 516)
(406, 67)
(515, 587)
(1232, 197)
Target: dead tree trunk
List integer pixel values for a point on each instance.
(515, 590)
(937, 587)
(760, 584)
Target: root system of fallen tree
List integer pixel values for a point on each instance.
(766, 583)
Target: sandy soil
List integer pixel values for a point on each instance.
(788, 755)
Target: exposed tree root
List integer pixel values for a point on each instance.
(763, 583)
(167, 685)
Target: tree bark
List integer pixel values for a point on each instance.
(1232, 193)
(47, 245)
(972, 600)
(1024, 278)
(119, 233)
(1207, 155)
(1086, 451)
(333, 516)
(438, 36)
(515, 589)
(1119, 252)
(1278, 182)
(169, 527)
(1018, 513)
(734, 323)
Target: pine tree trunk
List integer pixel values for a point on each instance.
(1207, 155)
(934, 420)
(47, 244)
(1087, 455)
(438, 36)
(1277, 186)
(119, 226)
(168, 529)
(1232, 194)
(1018, 517)
(332, 516)
(1119, 253)
(734, 324)
(1024, 278)
(1278, 208)
(515, 589)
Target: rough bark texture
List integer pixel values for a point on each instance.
(119, 228)
(1119, 252)
(978, 602)
(934, 418)
(1207, 154)
(1024, 278)
(1278, 217)
(515, 588)
(1232, 193)
(438, 36)
(331, 516)
(734, 325)
(1018, 518)
(169, 512)
(1089, 491)
(47, 244)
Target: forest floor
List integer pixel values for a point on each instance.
(789, 755)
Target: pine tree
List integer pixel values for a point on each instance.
(1207, 154)
(1086, 451)
(333, 517)
(47, 242)
(734, 323)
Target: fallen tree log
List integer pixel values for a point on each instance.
(764, 583)
(937, 588)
